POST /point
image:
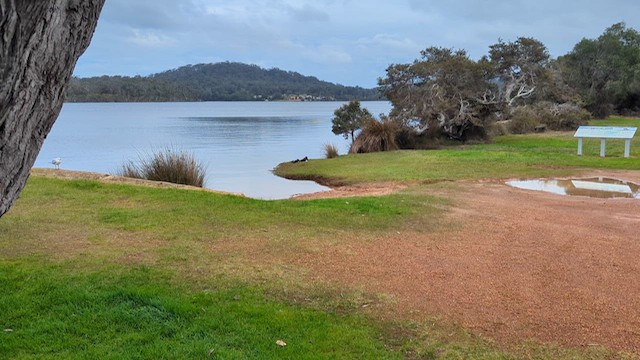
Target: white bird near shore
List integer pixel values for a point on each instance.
(57, 161)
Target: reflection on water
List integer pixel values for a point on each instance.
(600, 187)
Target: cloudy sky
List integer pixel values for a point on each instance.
(350, 42)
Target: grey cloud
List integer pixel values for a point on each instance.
(308, 13)
(150, 14)
(346, 41)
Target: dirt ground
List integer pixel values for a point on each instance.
(114, 179)
(517, 265)
(514, 264)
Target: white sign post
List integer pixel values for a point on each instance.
(606, 132)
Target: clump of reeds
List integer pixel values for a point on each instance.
(376, 136)
(330, 151)
(174, 166)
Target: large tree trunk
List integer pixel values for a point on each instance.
(40, 42)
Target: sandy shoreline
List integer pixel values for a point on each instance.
(335, 192)
(113, 179)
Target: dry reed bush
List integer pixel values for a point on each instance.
(561, 117)
(169, 165)
(376, 136)
(330, 151)
(130, 170)
(524, 120)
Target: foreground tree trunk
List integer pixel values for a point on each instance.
(40, 42)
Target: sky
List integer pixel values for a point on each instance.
(349, 42)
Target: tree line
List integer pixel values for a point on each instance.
(517, 87)
(225, 81)
(605, 72)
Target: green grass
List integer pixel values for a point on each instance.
(92, 270)
(54, 312)
(513, 156)
(200, 215)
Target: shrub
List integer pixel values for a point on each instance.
(179, 167)
(130, 170)
(524, 119)
(560, 117)
(376, 136)
(498, 128)
(407, 138)
(330, 151)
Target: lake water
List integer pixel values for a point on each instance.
(238, 142)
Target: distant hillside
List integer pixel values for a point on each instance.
(226, 81)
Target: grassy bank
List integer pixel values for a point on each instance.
(513, 156)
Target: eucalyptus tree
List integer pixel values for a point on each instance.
(518, 68)
(441, 91)
(40, 43)
(606, 71)
(445, 90)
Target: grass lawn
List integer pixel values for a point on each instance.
(536, 155)
(55, 311)
(94, 270)
(118, 271)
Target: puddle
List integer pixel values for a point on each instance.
(600, 187)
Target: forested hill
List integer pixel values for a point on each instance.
(226, 81)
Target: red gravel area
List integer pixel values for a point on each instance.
(515, 265)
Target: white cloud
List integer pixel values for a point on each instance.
(148, 38)
(328, 55)
(391, 42)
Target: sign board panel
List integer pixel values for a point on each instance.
(605, 132)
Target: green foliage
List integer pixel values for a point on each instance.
(224, 81)
(330, 151)
(174, 166)
(606, 71)
(121, 88)
(376, 136)
(349, 118)
(518, 66)
(437, 92)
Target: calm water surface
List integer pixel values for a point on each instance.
(239, 142)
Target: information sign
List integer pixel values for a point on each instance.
(606, 132)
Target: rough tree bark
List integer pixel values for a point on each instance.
(40, 42)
